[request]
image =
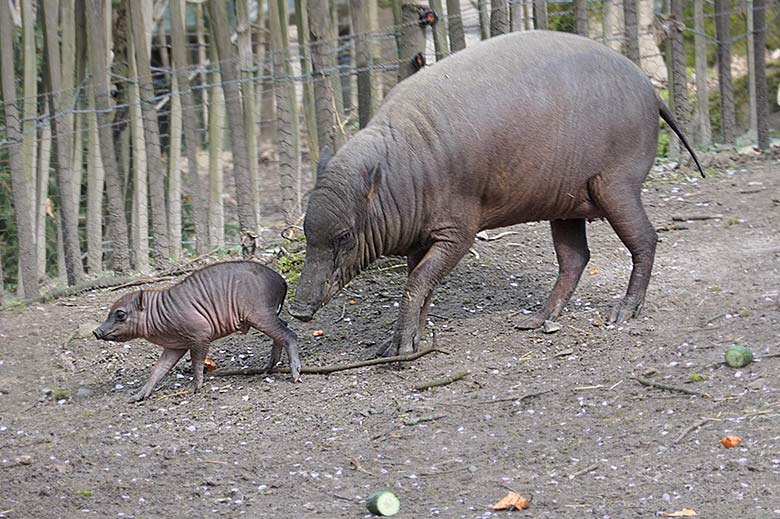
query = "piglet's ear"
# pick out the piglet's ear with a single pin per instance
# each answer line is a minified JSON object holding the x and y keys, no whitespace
{"x":140,"y":299}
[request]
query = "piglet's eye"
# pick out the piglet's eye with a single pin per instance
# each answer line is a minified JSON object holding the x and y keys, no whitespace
{"x":120,"y":315}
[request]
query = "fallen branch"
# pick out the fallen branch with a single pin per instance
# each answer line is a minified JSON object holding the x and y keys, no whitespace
{"x":584,"y":471}
{"x":440,"y":381}
{"x":182,"y":268}
{"x":422,"y":419}
{"x":325,"y":370}
{"x":690,"y":429}
{"x":671,"y":227}
{"x":485,"y":237}
{"x":666,"y":387}
{"x":170,"y":395}
{"x":343,"y":313}
{"x":141,"y":281}
{"x":516,"y":399}
{"x":696,"y":217}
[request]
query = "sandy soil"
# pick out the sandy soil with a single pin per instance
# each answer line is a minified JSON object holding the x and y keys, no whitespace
{"x":560,"y":418}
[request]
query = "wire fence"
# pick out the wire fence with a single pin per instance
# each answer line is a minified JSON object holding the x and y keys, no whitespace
{"x":259,"y":78}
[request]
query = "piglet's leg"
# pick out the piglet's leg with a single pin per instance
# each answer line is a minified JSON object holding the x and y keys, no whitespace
{"x":167,"y":360}
{"x":285,"y":338}
{"x":198,"y":356}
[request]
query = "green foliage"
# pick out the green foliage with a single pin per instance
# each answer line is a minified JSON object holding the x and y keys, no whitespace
{"x":290,"y":265}
{"x":60,"y":394}
{"x":696,"y":377}
{"x":742,"y":98}
{"x":85,"y":493}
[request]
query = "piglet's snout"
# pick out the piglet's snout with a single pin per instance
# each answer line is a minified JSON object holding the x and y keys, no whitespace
{"x":98,"y":333}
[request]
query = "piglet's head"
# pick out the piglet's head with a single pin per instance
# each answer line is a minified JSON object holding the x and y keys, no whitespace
{"x":125,"y":319}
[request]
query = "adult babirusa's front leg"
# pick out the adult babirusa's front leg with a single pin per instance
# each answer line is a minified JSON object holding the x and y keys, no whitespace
{"x":440,"y":259}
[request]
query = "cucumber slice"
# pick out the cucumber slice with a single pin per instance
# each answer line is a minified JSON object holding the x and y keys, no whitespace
{"x":738,"y":357}
{"x":383,"y":503}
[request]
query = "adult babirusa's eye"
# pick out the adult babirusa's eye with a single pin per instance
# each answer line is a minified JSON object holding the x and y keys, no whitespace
{"x":345,"y":240}
{"x":120,"y":315}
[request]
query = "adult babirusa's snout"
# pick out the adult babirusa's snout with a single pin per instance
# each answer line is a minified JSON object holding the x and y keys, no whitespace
{"x":301,"y":312}
{"x":312,"y":290}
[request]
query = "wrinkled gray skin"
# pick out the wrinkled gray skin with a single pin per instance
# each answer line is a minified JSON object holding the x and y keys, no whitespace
{"x":213,"y":302}
{"x":523,"y":127}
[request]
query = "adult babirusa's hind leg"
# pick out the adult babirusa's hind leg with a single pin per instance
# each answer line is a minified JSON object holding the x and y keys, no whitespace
{"x":622,"y":205}
{"x":571,"y":249}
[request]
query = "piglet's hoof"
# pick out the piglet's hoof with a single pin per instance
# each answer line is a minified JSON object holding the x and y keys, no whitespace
{"x":137,"y":397}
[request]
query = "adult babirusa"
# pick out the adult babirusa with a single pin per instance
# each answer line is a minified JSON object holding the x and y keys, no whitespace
{"x":567,"y":134}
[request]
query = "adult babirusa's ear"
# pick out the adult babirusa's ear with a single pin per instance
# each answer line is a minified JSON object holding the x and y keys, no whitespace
{"x":373,"y":180}
{"x":141,"y":299}
{"x":324,"y":159}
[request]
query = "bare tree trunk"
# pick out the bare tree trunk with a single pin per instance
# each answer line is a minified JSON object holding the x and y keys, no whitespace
{"x":540,"y":14}
{"x":528,"y":14}
{"x":703,"y":129}
{"x":42,"y":192}
{"x":439,"y":29}
{"x":679,"y":77}
{"x":323,"y":56}
{"x":309,"y":109}
{"x":139,"y":214}
{"x":202,"y":60}
{"x":154,"y":162}
{"x":411,"y":41}
{"x":265,"y":92}
{"x":722,"y":33}
{"x":455,"y":26}
{"x":751,"y":67}
{"x":499,"y":17}
{"x":95,"y":184}
{"x":650,"y":56}
{"x":23,"y":203}
{"x":245,"y":196}
{"x":287,"y":124}
{"x":216,"y":134}
{"x":190,"y":125}
{"x":365,"y":82}
{"x":70,"y":237}
{"x":484,"y":19}
{"x":30,"y":112}
{"x":117,"y":221}
{"x":71,"y":74}
{"x":581,"y":16}
{"x":613,"y":24}
{"x":2,"y":281}
{"x":762,"y":101}
{"x":631,"y":31}
{"x":174,"y":151}
{"x":516,"y":22}
{"x":246,"y":64}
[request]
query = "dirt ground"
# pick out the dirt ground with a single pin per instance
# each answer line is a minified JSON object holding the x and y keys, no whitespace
{"x":560,"y":418}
